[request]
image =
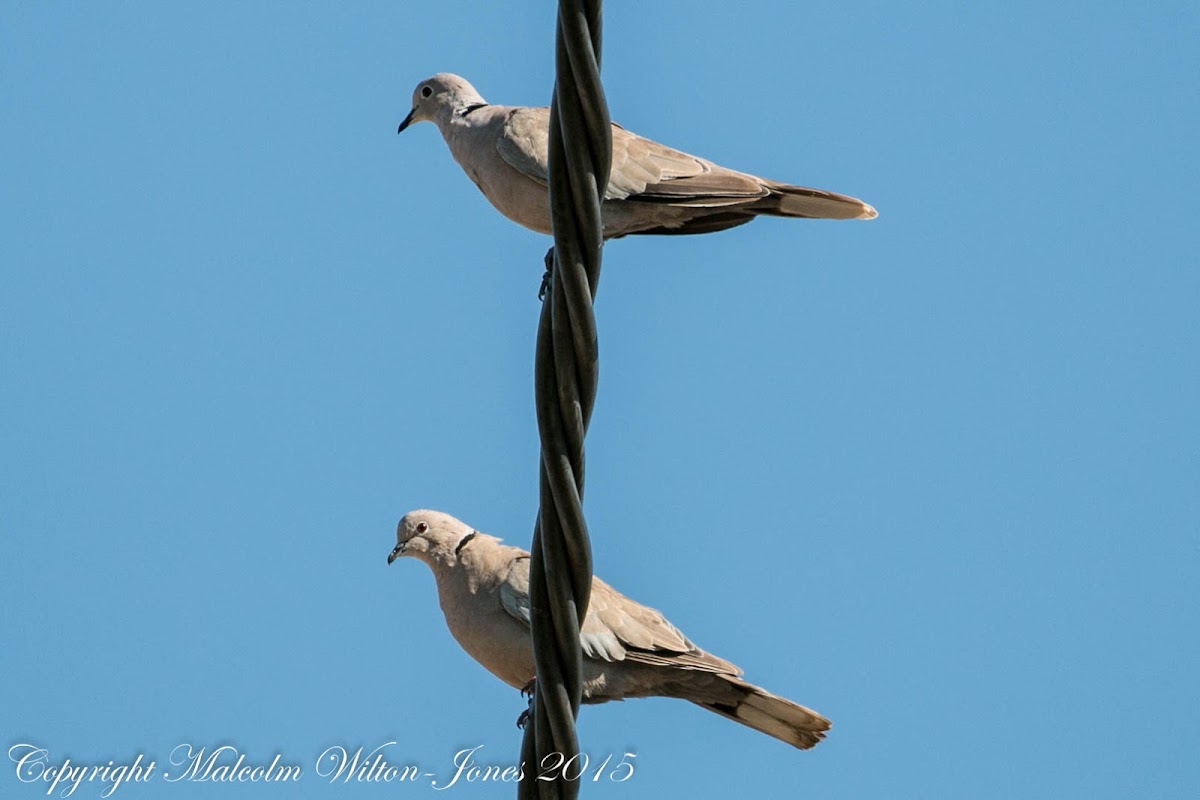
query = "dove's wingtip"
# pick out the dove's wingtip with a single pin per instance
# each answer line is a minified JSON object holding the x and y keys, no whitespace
{"x":868,"y":212}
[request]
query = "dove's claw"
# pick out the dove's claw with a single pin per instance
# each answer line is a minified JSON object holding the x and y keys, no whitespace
{"x":544,"y":289}
{"x":527,"y":691}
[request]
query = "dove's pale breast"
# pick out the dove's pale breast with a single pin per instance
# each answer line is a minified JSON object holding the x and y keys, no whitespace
{"x":472,"y":142}
{"x":479,"y":624}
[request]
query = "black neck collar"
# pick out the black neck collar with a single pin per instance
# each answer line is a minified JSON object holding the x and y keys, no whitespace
{"x":463,"y":543}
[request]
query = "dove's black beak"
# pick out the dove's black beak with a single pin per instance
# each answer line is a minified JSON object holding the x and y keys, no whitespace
{"x":407,"y":121}
{"x":398,"y":550}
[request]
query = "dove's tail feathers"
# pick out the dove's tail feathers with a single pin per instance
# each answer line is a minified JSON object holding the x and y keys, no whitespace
{"x":799,"y":201}
{"x":759,"y":709}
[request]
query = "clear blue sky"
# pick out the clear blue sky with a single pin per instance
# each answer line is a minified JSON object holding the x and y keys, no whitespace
{"x":935,"y":475}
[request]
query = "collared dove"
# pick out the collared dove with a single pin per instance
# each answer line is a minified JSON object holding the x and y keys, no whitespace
{"x":651,"y":188}
{"x":629,"y":650}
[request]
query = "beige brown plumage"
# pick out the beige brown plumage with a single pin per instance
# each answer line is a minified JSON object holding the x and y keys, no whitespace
{"x":652,"y":188}
{"x":630,"y":650}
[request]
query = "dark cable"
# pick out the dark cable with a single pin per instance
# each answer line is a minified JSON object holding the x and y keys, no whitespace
{"x":565,"y":378}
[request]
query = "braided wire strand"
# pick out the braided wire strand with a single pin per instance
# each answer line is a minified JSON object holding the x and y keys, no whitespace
{"x":565,"y":380}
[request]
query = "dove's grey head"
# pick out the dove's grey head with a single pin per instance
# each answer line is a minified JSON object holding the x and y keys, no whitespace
{"x":441,"y":98}
{"x":431,"y":536}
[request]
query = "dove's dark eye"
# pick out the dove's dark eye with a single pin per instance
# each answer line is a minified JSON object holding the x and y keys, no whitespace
{"x":426,"y":91}
{"x":422,"y":527}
